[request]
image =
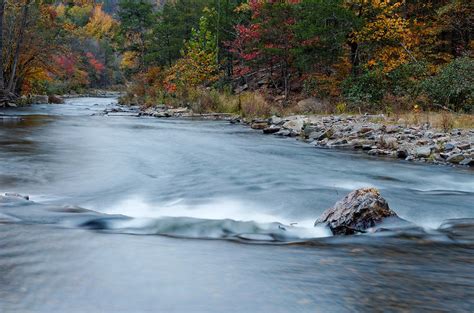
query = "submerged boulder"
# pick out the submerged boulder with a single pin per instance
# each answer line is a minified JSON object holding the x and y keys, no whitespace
{"x":54,"y":99}
{"x":16,"y":195}
{"x":358,"y":211}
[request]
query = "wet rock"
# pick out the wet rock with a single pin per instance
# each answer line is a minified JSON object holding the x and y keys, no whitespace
{"x":467,"y":162}
{"x":283,"y":133}
{"x":16,"y":195}
{"x":423,"y":152}
{"x":356,"y":213}
{"x":271,"y":130}
{"x":161,"y":114}
{"x":295,"y":126}
{"x":54,"y":99}
{"x":455,"y":158}
{"x":464,"y":146}
{"x":259,"y":125}
{"x":402,"y":153}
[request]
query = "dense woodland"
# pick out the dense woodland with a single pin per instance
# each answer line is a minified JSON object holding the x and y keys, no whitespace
{"x":253,"y":57}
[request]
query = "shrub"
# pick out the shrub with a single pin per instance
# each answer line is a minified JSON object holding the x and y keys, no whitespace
{"x":453,"y":86}
{"x":253,"y":104}
{"x":367,"y":88}
{"x":404,"y":81}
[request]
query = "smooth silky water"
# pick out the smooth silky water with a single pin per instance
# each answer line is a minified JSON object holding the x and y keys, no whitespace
{"x":134,"y":214}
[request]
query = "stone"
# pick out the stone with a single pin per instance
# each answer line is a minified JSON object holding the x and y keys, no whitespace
{"x":161,"y":114}
{"x":464,"y":146}
{"x":311,"y":129}
{"x":16,"y":195}
{"x":283,"y":133}
{"x":54,"y":99}
{"x":316,"y":135}
{"x":402,"y":153}
{"x":271,"y":130}
{"x":390,"y":129}
{"x":359,"y":211}
{"x":365,"y":130}
{"x":294,"y":125}
{"x":449,"y":146}
{"x":455,"y":158}
{"x":390,"y":142}
{"x":259,"y":125}
{"x":423,"y":152}
{"x":178,"y":111}
{"x":467,"y":162}
{"x":327,"y":134}
{"x":275,"y":120}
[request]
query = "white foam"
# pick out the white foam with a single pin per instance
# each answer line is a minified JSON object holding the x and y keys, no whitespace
{"x":220,"y":209}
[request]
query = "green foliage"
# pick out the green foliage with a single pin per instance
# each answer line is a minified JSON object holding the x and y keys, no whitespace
{"x":172,"y":26}
{"x":367,"y":53}
{"x":405,"y":80}
{"x":322,"y":27}
{"x":453,"y":86}
{"x":367,"y":88}
{"x":136,"y":19}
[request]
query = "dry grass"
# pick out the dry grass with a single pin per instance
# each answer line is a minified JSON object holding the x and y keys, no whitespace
{"x":253,"y":104}
{"x":440,"y":120}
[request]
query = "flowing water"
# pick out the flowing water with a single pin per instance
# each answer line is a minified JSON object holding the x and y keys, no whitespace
{"x":133,"y":214}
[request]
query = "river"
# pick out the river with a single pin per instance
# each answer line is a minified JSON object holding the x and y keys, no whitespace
{"x":205,"y":216}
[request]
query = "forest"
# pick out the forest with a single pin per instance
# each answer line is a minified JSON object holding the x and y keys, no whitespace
{"x":252,"y":57}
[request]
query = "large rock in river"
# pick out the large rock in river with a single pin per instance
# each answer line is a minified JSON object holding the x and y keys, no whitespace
{"x":357,"y":212}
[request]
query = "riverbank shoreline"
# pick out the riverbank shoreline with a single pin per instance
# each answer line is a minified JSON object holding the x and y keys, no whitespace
{"x":375,"y":135}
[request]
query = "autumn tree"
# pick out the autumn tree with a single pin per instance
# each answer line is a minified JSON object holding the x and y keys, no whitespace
{"x":136,"y":20}
{"x":384,"y":38}
{"x":198,"y":65}
{"x":267,"y":41}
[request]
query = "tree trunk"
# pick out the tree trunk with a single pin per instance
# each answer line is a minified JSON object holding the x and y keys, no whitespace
{"x":354,"y":57}
{"x":2,"y":12}
{"x":24,"y":18}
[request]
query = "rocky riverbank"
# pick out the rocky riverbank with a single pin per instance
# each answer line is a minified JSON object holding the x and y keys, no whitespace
{"x":371,"y":134}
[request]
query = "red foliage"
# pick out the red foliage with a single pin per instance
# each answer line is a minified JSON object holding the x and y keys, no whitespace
{"x":96,"y":65}
{"x":67,"y":63}
{"x":268,"y":37}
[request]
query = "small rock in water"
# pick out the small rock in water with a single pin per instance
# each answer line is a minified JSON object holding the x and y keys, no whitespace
{"x":357,"y":212}
{"x":16,"y":195}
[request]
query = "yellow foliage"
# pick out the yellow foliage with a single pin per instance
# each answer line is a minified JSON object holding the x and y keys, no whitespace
{"x":389,"y":35}
{"x":100,"y":23}
{"x":129,"y":60}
